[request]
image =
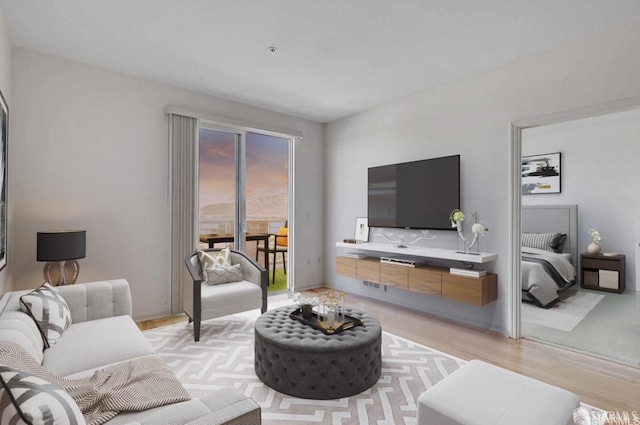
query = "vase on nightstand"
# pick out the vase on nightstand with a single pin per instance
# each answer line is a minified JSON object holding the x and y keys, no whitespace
{"x":594,"y":248}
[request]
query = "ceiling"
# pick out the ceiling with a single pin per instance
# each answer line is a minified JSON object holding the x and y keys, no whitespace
{"x":335,"y":57}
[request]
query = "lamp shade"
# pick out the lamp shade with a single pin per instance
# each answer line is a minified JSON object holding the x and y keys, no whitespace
{"x":61,"y":245}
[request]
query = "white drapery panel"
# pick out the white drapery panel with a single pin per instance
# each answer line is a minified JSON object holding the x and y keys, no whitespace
{"x":183,"y":133}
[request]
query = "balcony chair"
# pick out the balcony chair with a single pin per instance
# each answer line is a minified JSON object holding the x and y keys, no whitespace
{"x":203,"y":302}
{"x":280,"y":245}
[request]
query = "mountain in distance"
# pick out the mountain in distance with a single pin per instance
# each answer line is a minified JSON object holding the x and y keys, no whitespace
{"x":272,"y":207}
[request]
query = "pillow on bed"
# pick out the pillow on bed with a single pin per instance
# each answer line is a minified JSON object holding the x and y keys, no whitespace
{"x":548,"y":241}
{"x":558,"y":242}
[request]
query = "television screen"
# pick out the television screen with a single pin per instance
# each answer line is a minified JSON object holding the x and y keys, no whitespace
{"x":414,"y":195}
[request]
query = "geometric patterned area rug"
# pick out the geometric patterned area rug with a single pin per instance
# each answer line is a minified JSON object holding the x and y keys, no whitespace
{"x":224,"y":358}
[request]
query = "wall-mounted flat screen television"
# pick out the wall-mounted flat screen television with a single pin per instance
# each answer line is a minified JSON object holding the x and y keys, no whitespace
{"x":414,"y":195}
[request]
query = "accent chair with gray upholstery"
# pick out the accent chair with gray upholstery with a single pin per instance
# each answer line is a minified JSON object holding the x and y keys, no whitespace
{"x":203,"y":302}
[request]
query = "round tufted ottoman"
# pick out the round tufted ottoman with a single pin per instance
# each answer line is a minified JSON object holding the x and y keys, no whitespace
{"x":301,"y":361}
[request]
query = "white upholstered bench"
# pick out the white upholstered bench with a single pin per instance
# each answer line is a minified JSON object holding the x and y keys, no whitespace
{"x":482,"y":394}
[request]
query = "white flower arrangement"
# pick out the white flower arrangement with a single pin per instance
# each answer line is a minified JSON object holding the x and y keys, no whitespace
{"x":456,"y":217}
{"x":595,"y":235}
{"x":304,"y":300}
{"x":479,"y":229}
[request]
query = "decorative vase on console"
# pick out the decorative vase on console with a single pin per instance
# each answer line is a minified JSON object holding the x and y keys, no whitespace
{"x":594,"y":246}
{"x":477,"y":229}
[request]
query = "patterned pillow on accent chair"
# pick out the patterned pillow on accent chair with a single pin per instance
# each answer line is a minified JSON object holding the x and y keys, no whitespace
{"x":207,"y":261}
{"x":218,"y":275}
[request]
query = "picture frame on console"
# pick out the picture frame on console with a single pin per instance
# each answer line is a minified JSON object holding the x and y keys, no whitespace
{"x":4,"y":135}
{"x":541,"y":174}
{"x":362,"y":229}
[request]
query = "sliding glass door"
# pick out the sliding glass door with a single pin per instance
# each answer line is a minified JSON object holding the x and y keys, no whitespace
{"x":243,"y":194}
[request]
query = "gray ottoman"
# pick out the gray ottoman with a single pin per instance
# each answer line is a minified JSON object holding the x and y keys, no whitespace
{"x":301,"y":361}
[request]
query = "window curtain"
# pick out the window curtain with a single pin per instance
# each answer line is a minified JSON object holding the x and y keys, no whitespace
{"x":183,"y":133}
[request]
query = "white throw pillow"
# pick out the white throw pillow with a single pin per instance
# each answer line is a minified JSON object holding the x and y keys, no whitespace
{"x":49,"y":310}
{"x":210,"y":260}
{"x":218,"y":275}
{"x":33,"y":400}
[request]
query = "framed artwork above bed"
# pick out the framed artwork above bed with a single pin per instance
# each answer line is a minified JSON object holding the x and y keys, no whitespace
{"x":541,"y":174}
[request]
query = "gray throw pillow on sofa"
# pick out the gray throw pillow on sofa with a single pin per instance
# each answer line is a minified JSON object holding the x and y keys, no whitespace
{"x":49,"y":310}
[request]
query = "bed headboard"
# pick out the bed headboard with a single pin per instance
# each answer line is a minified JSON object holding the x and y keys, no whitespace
{"x":554,"y":219}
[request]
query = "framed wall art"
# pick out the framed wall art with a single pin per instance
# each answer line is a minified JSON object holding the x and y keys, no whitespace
{"x":362,"y":229}
{"x":4,"y":134}
{"x":541,"y":174}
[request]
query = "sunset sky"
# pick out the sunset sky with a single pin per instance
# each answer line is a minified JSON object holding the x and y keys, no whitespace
{"x":267,"y":162}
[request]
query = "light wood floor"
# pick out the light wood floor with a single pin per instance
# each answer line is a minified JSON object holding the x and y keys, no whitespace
{"x":609,"y":386}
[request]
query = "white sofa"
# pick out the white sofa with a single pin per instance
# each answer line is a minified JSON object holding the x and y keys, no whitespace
{"x":103,"y":333}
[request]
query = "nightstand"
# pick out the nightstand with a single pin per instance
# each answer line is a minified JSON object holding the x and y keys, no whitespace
{"x":602,"y":273}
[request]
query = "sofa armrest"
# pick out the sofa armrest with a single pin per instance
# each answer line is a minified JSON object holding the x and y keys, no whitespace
{"x":97,"y":300}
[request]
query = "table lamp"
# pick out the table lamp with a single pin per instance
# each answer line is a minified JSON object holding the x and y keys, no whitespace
{"x":61,"y":249}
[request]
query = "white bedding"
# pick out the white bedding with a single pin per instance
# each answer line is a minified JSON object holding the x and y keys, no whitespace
{"x":537,"y":285}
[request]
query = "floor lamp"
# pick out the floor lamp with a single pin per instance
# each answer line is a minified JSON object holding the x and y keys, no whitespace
{"x":61,"y":249}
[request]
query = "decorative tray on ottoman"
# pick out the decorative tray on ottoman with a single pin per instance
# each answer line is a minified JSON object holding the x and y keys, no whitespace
{"x":314,"y":322}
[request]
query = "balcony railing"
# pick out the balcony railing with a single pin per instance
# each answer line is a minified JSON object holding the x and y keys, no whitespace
{"x":209,"y":225}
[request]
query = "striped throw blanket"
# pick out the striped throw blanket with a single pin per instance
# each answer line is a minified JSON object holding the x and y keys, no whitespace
{"x":136,"y":385}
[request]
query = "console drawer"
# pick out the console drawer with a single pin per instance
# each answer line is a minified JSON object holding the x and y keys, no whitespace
{"x":346,"y":266}
{"x":427,"y":280}
{"x":368,"y":269}
{"x":397,"y":276}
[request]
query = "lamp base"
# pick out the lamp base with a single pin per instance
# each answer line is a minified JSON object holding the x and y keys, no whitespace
{"x":61,"y":272}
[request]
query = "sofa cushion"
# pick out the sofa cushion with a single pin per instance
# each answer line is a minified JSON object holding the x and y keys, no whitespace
{"x":28,"y":399}
{"x":96,"y":343}
{"x":19,"y":327}
{"x":49,"y":310}
{"x":227,"y":405}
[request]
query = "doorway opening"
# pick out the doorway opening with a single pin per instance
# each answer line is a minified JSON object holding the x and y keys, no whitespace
{"x":598,"y":179}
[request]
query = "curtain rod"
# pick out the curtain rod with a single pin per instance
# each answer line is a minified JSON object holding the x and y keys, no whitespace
{"x":225,"y":121}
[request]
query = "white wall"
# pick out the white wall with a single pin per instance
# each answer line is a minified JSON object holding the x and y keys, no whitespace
{"x":5,"y":83}
{"x":469,"y":117}
{"x":599,"y":173}
{"x":90,"y":151}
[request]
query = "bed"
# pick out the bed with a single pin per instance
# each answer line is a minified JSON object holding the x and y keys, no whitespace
{"x":549,"y":259}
